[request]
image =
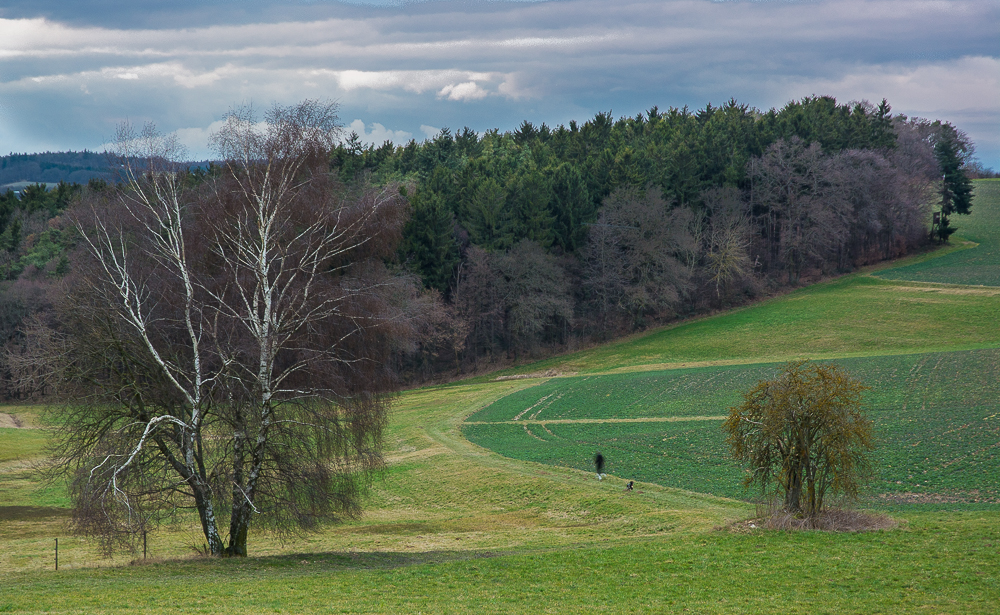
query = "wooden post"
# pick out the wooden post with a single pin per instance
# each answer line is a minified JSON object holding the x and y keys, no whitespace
{"x":143,"y":544}
{"x":57,"y":554}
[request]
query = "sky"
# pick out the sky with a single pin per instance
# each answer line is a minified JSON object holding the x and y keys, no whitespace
{"x":71,"y":72}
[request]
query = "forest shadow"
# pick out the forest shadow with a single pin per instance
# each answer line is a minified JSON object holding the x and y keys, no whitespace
{"x":372,"y":560}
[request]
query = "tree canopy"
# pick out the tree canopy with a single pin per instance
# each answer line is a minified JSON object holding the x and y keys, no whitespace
{"x":803,"y":434}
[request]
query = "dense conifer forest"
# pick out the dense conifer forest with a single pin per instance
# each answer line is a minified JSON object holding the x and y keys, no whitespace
{"x":546,"y":238}
{"x":543,"y":238}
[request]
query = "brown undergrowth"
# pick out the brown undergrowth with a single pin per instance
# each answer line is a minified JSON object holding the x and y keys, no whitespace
{"x":834,"y":519}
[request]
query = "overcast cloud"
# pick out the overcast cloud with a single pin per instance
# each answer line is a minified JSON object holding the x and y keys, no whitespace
{"x":69,"y":72}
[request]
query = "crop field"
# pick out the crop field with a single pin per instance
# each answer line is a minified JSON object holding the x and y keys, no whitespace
{"x":706,"y":391}
{"x":937,"y":421}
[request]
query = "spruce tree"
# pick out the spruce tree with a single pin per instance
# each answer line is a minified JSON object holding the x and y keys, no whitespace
{"x":429,"y":245}
{"x":956,"y":188}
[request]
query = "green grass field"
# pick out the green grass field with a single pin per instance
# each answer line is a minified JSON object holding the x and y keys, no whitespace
{"x":975,"y":266}
{"x":856,"y":315}
{"x":479,"y":512}
{"x":930,"y":565}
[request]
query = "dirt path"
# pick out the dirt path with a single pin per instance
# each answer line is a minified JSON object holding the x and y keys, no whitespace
{"x":9,"y":421}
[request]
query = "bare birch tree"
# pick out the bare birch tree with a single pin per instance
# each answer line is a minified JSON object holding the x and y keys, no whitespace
{"x":226,"y":347}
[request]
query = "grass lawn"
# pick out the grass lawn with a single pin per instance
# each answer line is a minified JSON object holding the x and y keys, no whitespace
{"x":934,"y":563}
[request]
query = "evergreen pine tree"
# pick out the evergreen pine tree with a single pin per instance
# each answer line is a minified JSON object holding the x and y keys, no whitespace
{"x":429,"y":245}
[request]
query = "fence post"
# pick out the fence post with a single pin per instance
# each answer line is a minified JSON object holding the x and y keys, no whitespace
{"x":57,"y":554}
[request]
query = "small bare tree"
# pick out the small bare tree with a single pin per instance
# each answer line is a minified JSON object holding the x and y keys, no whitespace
{"x":728,"y":240}
{"x":804,"y":433}
{"x":226,"y":345}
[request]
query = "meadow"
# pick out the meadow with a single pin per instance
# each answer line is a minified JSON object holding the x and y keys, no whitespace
{"x":489,"y":504}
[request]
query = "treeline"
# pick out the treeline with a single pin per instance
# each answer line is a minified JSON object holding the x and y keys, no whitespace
{"x":35,"y":248}
{"x":543,"y":237}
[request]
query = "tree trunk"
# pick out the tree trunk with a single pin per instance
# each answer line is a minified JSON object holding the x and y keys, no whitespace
{"x":239,"y":526}
{"x":209,"y":524}
{"x":811,"y":508}
{"x":793,"y":495}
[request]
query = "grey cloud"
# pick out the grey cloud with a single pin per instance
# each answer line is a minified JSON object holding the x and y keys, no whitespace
{"x":179,"y":13}
{"x":493,"y":64}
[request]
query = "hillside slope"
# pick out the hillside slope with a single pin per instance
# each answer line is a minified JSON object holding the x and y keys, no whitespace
{"x":455,"y":527}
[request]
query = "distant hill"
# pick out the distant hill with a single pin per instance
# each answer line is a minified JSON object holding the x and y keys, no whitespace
{"x":19,"y":170}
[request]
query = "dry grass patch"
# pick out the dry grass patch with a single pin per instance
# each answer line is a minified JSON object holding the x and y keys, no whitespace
{"x":549,"y":373}
{"x":9,"y":421}
{"x":833,"y":520}
{"x":945,"y":289}
{"x":910,"y":497}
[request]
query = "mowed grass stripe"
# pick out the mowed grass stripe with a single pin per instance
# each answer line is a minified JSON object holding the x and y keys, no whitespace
{"x":647,"y":419}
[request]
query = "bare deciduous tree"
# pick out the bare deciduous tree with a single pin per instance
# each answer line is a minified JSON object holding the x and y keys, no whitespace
{"x":226,"y":346}
{"x":535,"y":294}
{"x":480,"y":302}
{"x":728,"y":240}
{"x":517,"y":298}
{"x":807,"y":216}
{"x":889,"y":218}
{"x":636,"y":252}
